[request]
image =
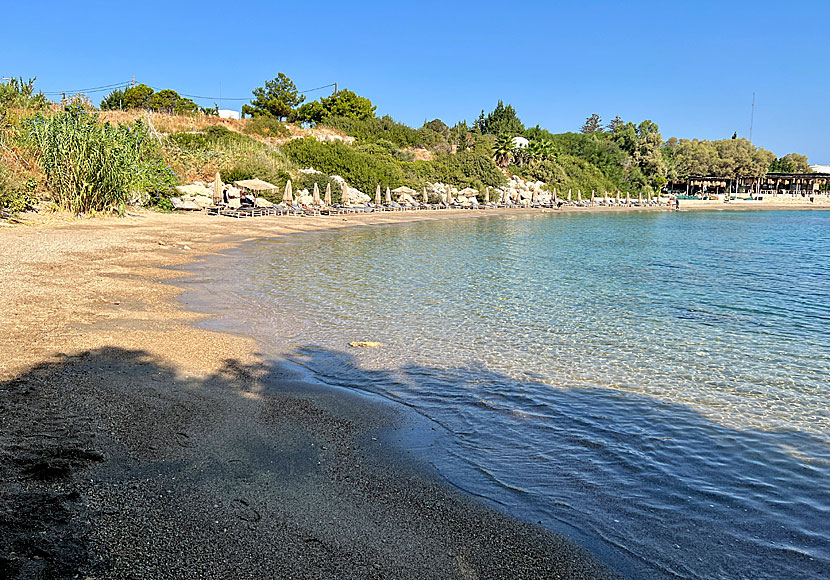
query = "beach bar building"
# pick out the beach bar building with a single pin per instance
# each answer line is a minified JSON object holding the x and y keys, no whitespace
{"x":794,"y":184}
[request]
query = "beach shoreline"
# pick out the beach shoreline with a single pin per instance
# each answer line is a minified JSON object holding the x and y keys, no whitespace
{"x":111,"y":390}
{"x":141,"y":445}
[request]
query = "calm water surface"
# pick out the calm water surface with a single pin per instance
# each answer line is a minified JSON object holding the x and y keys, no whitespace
{"x":654,"y":385}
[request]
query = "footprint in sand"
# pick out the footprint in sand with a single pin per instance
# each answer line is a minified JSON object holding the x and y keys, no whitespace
{"x":242,"y":510}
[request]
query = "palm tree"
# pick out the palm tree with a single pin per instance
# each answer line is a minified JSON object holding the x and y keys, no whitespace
{"x":503,"y":152}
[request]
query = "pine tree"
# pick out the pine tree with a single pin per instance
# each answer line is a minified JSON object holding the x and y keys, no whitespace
{"x":593,"y":124}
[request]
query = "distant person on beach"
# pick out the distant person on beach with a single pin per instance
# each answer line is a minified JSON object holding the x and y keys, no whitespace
{"x":676,"y":203}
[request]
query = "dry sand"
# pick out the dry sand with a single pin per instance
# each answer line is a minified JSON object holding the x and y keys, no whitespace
{"x":136,"y":445}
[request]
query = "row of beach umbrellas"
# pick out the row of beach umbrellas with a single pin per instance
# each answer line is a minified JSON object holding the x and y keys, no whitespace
{"x":288,"y":195}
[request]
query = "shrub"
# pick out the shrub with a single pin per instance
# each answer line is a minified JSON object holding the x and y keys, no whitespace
{"x":211,"y":138}
{"x":465,"y":169}
{"x":16,"y":196}
{"x":21,"y":94}
{"x":307,"y":181}
{"x":567,"y":172}
{"x":258,"y":166}
{"x":265,"y":126}
{"x":360,"y":169}
{"x":90,"y":165}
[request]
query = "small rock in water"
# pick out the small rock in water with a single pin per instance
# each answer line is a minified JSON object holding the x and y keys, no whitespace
{"x":364,"y":344}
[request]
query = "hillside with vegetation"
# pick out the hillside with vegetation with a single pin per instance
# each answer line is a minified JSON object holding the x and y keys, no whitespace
{"x":139,"y":143}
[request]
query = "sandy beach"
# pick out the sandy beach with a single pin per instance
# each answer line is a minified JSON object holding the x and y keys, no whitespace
{"x":137,"y":445}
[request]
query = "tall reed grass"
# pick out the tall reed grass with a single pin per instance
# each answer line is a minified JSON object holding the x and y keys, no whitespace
{"x":90,"y":165}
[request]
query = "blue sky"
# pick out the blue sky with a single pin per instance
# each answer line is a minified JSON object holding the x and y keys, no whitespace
{"x":689,"y":66}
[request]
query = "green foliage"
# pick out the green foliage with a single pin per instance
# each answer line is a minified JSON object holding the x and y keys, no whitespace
{"x":90,"y":165}
{"x":790,"y":163}
{"x":374,"y":129}
{"x":438,"y":126}
{"x":567,"y":172}
{"x":114,"y":100}
{"x":143,"y":97}
{"x":360,"y":169}
{"x":366,"y":166}
{"x":21,"y":94}
{"x":593,"y":124}
{"x":211,"y":138}
{"x":724,"y":158}
{"x":16,"y":196}
{"x":278,"y":98}
{"x":265,"y":126}
{"x":503,"y":150}
{"x":465,"y":169}
{"x":307,"y":181}
{"x":138,"y":97}
{"x":502,"y":120}
{"x":258,"y":166}
{"x":210,"y":111}
{"x":344,"y":104}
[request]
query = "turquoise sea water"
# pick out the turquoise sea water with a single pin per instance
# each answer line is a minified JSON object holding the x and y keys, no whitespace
{"x":654,"y":385}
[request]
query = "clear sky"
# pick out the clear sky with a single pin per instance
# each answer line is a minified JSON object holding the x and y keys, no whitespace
{"x":689,"y":66}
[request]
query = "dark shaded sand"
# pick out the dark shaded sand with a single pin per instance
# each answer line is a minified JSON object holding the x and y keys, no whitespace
{"x":135,"y":445}
{"x":117,"y":467}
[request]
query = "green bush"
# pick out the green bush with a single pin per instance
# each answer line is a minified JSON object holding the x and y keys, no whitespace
{"x":465,"y":169}
{"x":265,"y":126}
{"x":260,"y":165}
{"x":376,"y":129}
{"x":16,"y":196}
{"x":307,"y":181}
{"x":211,"y":138}
{"x":360,"y":169}
{"x":91,"y":165}
{"x":567,"y":172}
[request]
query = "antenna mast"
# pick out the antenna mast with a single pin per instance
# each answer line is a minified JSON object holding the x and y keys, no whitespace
{"x":752,"y":117}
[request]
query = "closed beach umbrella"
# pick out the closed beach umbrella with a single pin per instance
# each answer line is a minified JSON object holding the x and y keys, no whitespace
{"x":327,"y":198}
{"x":578,"y":196}
{"x":606,"y":197}
{"x":315,"y":196}
{"x":534,"y":198}
{"x":487,"y":195}
{"x":449,"y":197}
{"x":592,"y":197}
{"x":627,"y":199}
{"x":649,"y":197}
{"x":618,"y":197}
{"x":569,"y":196}
{"x":426,"y":199}
{"x":217,"y":189}
{"x":640,"y":198}
{"x":388,"y":196}
{"x":344,"y":197}
{"x":288,"y":196}
{"x":377,"y":195}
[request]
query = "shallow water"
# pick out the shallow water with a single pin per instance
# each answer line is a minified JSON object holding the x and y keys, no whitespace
{"x":654,"y":385}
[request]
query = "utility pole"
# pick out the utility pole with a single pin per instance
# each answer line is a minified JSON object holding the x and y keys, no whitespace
{"x":335,"y":89}
{"x":133,"y":81}
{"x":752,"y":117}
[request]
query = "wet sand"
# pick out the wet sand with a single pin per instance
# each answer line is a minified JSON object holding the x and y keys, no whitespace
{"x":136,"y":445}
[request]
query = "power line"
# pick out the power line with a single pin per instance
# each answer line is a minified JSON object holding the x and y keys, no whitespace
{"x":113,"y":86}
{"x":224,"y":98}
{"x":89,"y":89}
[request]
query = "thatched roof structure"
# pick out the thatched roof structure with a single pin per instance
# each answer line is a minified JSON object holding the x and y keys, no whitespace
{"x":404,"y":189}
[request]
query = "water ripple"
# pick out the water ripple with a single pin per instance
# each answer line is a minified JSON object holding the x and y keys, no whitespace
{"x":653,"y":383}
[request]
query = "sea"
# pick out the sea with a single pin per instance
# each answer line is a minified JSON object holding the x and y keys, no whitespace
{"x":653,"y":385}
